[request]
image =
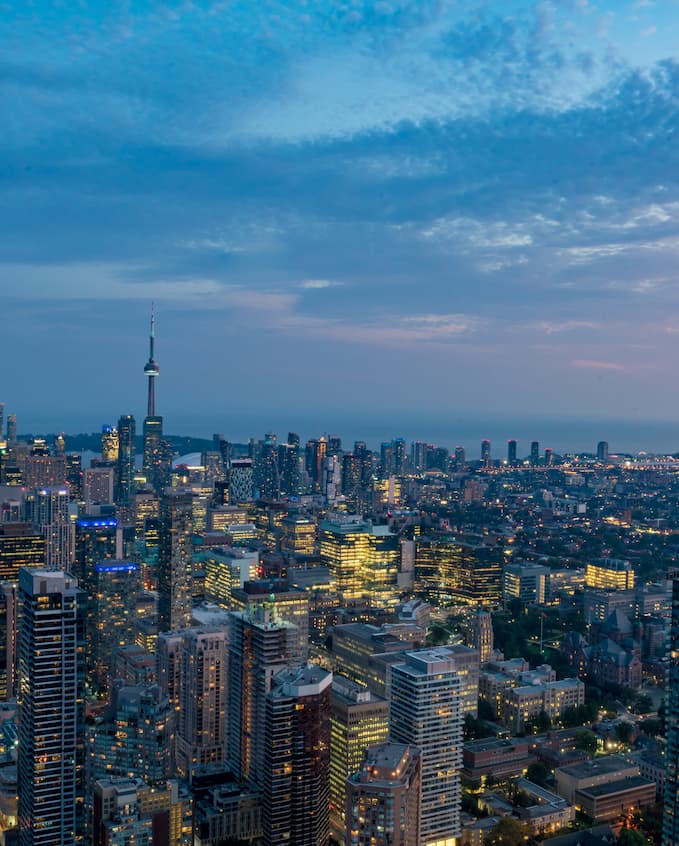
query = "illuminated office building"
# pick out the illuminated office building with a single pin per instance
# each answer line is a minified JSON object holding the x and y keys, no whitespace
{"x":127,"y":449}
{"x":345,"y":549}
{"x":453,"y":572}
{"x":175,"y":563}
{"x":50,"y":712}
{"x":295,"y":790}
{"x":358,"y":719}
{"x":298,"y":535}
{"x":20,"y":546}
{"x":109,"y":443}
{"x":383,"y":798}
{"x":316,"y":451}
{"x":241,"y":482}
{"x":425,"y":711}
{"x":610,"y":574}
{"x":227,"y":570}
{"x":96,"y":539}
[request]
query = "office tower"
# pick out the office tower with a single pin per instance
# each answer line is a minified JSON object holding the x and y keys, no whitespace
{"x":60,"y":444}
{"x":175,"y":564}
{"x":96,"y":539}
{"x":418,"y":455}
{"x":345,"y":549}
{"x":602,"y":451}
{"x":2,"y":420}
{"x":112,"y":590}
{"x":365,"y":459}
{"x":380,"y":577}
{"x":480,"y":634}
{"x":241,"y":482}
{"x":11,"y":430}
{"x":548,"y":457}
{"x":74,"y":475}
{"x":511,"y":452}
{"x":298,"y":535}
{"x":383,"y":798}
{"x":387,"y":458}
{"x":135,"y":736}
{"x":288,"y":462}
{"x":485,"y":452}
{"x":266,"y":469}
{"x":460,"y":457}
{"x":670,"y":829}
{"x":295,"y":792}
{"x":48,"y":510}
{"x":109,"y":443}
{"x":316,"y":450}
{"x":20,"y":546}
{"x":201,"y":733}
{"x":9,"y":636}
{"x":127,"y":450}
{"x":259,"y":646}
{"x":358,"y":719}
{"x":51,"y":700}
{"x":610,"y":574}
{"x":351,"y":474}
{"x":451,"y":571}
{"x":535,"y":453}
{"x":425,"y":712}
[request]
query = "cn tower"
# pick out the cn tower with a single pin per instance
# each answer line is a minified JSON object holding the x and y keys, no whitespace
{"x":151,"y":368}
{"x":156,"y":460}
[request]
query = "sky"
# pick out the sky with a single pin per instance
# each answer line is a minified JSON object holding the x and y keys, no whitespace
{"x":352,"y":210}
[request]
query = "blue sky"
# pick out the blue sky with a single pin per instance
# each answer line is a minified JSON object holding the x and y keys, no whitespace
{"x":340,"y":208}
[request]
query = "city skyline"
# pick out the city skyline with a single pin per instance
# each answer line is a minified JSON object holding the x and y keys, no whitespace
{"x":477,"y":202}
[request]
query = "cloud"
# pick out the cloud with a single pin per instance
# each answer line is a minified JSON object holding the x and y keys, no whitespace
{"x":318,"y":284}
{"x":590,"y":364}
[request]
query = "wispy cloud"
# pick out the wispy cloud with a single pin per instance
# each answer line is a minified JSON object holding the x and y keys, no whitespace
{"x":591,"y":364}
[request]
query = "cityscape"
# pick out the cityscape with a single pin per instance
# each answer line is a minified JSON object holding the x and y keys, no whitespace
{"x":277,"y":642}
{"x":339,"y":423}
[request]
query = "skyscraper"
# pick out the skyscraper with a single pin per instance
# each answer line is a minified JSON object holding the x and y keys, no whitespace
{"x":295,"y":792}
{"x":175,"y":538}
{"x":383,"y":798}
{"x":480,"y":634}
{"x":511,"y":452}
{"x":109,"y":443}
{"x":201,"y":734}
{"x":127,"y":433}
{"x":425,"y":712}
{"x":11,"y":430}
{"x":48,"y":510}
{"x":50,"y":695}
{"x":535,"y":453}
{"x":485,"y":452}
{"x":602,"y":451}
{"x":358,"y":719}
{"x":259,"y":647}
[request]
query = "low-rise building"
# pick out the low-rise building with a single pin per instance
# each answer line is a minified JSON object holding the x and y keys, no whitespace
{"x":608,"y":801}
{"x":591,"y":773}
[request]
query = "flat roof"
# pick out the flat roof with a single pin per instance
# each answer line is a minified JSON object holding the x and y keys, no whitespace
{"x":619,"y":786}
